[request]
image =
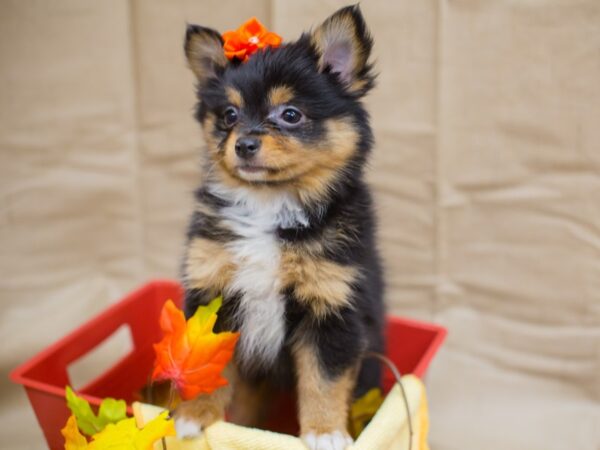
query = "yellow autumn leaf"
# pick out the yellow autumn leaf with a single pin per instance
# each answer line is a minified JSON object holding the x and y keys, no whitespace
{"x":126,"y":435}
{"x":363,"y":409}
{"x":123,"y":435}
{"x":74,"y":440}
{"x":203,"y":321}
{"x":156,"y":429}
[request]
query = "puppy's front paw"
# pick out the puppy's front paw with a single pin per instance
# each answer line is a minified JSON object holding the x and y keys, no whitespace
{"x":336,"y":440}
{"x":193,"y":416}
{"x":187,"y":428}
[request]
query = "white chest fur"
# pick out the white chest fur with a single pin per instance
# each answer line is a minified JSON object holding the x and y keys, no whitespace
{"x":257,"y":256}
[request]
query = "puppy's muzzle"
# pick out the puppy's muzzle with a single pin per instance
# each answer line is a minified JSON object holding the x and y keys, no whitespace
{"x":247,"y":147}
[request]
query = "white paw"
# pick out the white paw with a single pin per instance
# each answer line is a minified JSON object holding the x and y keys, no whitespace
{"x":338,"y":440}
{"x":187,"y":429}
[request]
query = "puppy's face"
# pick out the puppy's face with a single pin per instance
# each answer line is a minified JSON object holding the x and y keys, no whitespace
{"x":288,"y":116}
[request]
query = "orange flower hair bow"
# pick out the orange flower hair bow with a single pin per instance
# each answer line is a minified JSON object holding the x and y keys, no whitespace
{"x":247,"y":39}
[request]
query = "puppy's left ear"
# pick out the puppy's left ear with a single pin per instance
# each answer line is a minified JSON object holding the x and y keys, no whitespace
{"x":343,"y":44}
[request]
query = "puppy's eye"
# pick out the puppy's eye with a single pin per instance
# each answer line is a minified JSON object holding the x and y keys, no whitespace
{"x":230,"y":116}
{"x":291,"y":115}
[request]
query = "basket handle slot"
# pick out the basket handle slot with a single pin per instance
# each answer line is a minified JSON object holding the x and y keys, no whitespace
{"x":102,"y":357}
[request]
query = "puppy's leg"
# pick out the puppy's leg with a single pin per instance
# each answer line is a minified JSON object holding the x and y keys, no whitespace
{"x":193,"y":415}
{"x":249,"y":406}
{"x":323,"y":401}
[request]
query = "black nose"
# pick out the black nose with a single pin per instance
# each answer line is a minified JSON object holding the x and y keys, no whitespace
{"x":247,"y":147}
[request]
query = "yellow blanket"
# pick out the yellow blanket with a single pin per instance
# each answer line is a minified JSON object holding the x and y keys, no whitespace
{"x":387,"y":430}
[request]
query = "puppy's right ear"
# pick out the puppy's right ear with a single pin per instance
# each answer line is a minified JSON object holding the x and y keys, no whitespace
{"x":204,"y":52}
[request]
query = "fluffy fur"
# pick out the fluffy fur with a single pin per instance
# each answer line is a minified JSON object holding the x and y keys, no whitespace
{"x":284,"y":226}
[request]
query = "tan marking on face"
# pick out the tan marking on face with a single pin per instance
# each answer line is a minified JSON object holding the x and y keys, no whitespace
{"x":323,"y":403}
{"x":231,"y":162}
{"x":340,"y":147}
{"x":208,"y":127}
{"x":230,"y":159}
{"x":322,"y":285}
{"x":296,"y":160}
{"x":208,"y":265}
{"x":308,"y":170}
{"x":280,"y":95}
{"x":234,"y":96}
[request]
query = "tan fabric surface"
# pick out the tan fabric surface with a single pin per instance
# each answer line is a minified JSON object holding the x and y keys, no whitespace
{"x":486,"y":173}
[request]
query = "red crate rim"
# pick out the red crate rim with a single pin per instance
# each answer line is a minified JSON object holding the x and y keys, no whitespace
{"x":18,"y":376}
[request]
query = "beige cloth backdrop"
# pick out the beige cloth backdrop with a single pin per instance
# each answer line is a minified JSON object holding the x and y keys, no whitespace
{"x":486,"y":173}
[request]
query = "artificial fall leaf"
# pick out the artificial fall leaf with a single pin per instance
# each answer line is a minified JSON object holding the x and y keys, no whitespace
{"x":363,"y":409}
{"x":123,"y":435}
{"x":74,"y":440}
{"x":190,"y":354}
{"x":247,"y":39}
{"x":126,"y":435}
{"x":110,"y":411}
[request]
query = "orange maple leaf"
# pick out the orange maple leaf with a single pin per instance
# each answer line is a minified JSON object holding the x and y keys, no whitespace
{"x":190,"y":354}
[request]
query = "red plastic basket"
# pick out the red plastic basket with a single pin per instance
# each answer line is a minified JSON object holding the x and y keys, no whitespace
{"x":411,"y":345}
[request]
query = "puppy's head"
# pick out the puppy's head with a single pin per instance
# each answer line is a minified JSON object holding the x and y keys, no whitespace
{"x":289,"y":116}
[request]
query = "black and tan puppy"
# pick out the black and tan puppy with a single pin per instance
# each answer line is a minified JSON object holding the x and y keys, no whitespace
{"x":283,"y":226}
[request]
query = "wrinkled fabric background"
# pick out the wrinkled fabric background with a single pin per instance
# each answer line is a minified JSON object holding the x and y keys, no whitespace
{"x":486,"y":174}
